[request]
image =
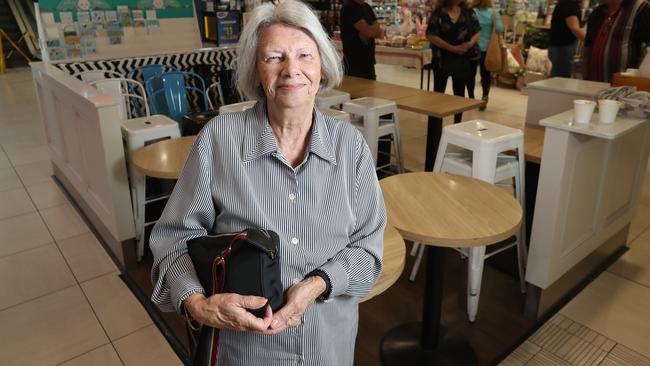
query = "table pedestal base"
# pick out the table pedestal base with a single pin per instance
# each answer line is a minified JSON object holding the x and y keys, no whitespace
{"x":401,"y":346}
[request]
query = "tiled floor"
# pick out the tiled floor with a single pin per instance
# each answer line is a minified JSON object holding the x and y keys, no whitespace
{"x":62,"y":302}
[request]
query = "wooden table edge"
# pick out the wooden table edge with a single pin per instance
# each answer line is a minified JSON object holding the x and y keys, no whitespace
{"x":461,"y":243}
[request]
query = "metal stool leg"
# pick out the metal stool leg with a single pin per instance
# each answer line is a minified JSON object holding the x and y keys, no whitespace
{"x":416,"y":265}
{"x":474,"y":275}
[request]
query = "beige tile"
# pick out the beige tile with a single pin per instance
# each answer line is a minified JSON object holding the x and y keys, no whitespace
{"x":15,"y":202}
{"x":22,"y":142}
{"x":521,"y":355}
{"x":616,"y":308}
{"x":29,"y":155}
{"x":4,"y":161}
{"x":46,"y":195}
{"x":623,"y":356}
{"x":116,"y":307}
{"x":86,"y":257}
{"x":23,"y":232}
{"x":49,"y":330}
{"x":9,"y":179}
{"x":63,"y":221}
{"x":33,"y":273}
{"x":640,"y":222}
{"x":146,"y":347}
{"x":35,"y":173}
{"x":635,"y":263}
{"x":645,"y":234}
{"x":545,"y":358}
{"x":102,"y":356}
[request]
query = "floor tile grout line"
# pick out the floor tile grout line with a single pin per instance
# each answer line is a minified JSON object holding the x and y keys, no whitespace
{"x":116,"y":271}
{"x":87,"y":352}
{"x":137,"y":330}
{"x":90,"y":304}
{"x":3,"y":256}
{"x":630,"y":280}
{"x":71,"y":271}
{"x":39,"y":296}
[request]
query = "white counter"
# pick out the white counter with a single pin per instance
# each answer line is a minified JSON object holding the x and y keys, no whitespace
{"x":589,"y":184}
{"x":551,"y":96}
{"x":83,"y":133}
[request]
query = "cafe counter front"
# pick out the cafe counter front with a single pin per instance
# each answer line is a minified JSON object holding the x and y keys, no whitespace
{"x":589,"y":184}
{"x":83,"y":132}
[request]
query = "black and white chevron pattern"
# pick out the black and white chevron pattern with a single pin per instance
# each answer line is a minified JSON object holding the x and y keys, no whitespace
{"x":218,"y":59}
{"x":205,"y":63}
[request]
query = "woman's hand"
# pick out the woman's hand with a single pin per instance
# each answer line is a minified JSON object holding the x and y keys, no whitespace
{"x":228,"y":311}
{"x":298,"y":298}
{"x":459,"y":50}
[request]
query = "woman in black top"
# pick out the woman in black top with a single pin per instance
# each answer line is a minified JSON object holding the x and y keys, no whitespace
{"x":454,"y":30}
{"x":565,"y":29}
{"x":359,"y":28}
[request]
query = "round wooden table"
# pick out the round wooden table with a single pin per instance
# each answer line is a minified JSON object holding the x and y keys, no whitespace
{"x":163,"y":159}
{"x":442,"y":210}
{"x":394,"y":258}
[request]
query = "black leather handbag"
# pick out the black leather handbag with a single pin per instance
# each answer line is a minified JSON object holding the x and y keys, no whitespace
{"x":245,"y":263}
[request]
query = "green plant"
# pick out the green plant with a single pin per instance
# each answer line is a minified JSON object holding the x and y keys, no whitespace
{"x":536,"y":37}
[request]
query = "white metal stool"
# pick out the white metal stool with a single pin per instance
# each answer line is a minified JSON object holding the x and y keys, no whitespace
{"x":486,"y":142}
{"x":331,"y":98}
{"x":137,"y":133}
{"x":335,"y":113}
{"x":374,"y":127}
{"x":237,"y":107}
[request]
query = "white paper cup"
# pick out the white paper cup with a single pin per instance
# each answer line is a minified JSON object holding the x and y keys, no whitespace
{"x":607,"y":110}
{"x":582,"y":110}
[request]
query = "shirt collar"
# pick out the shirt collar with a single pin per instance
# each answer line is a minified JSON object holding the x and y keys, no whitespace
{"x":259,"y":139}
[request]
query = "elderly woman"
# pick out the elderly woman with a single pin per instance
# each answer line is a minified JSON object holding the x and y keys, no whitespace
{"x":283,"y":166}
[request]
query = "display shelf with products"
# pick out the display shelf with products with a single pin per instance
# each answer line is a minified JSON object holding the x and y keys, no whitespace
{"x":387,"y":12}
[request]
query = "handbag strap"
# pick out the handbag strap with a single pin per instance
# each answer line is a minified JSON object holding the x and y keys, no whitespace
{"x":494,"y":21}
{"x":220,"y":261}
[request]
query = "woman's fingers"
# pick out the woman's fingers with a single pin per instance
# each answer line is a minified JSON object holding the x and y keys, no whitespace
{"x":229,"y":311}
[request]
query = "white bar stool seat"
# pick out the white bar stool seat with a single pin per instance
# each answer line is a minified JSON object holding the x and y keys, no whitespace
{"x":331,"y":98}
{"x":237,"y":107}
{"x":335,"y":113}
{"x":374,"y":127}
{"x":486,"y":142}
{"x":137,"y":133}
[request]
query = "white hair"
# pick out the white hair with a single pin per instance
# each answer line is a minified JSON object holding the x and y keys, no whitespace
{"x":292,"y":13}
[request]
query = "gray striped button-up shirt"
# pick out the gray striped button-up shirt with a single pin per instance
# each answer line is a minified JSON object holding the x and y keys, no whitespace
{"x":328,"y":212}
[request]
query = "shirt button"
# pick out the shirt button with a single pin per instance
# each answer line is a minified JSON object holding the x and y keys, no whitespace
{"x":298,"y":358}
{"x":292,"y":196}
{"x":294,"y":241}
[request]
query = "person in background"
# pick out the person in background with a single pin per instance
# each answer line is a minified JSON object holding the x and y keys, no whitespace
{"x":617,"y":33}
{"x":565,"y":33}
{"x":485,"y":14}
{"x":454,"y":30}
{"x":359,"y":28}
{"x":283,"y":166}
